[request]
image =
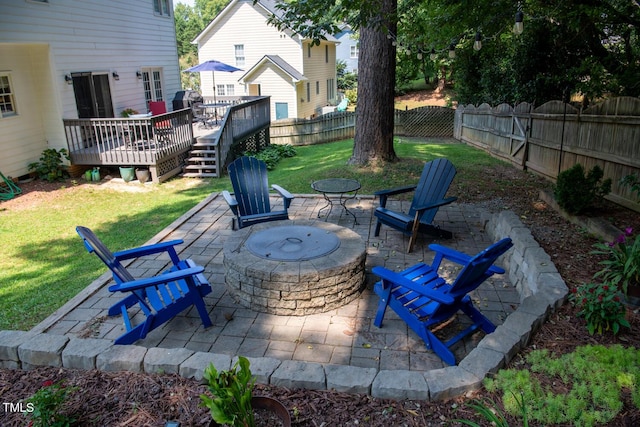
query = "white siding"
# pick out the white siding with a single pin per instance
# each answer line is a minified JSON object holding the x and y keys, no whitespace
{"x":242,"y":23}
{"x":280,"y":87}
{"x":320,"y":67}
{"x":66,"y":36}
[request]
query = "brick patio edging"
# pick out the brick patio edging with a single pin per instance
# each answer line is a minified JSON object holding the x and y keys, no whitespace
{"x":530,"y":269}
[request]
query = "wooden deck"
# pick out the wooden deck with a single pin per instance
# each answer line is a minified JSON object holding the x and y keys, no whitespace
{"x":160,"y":143}
{"x":165,"y":143}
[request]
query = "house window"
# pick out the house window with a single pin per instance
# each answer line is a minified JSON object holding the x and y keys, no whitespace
{"x":161,"y":7}
{"x":7,"y":101}
{"x":220,"y":90}
{"x":152,"y":83}
{"x":354,"y":51}
{"x":326,"y":53}
{"x":230,"y":90}
{"x":331,"y":90}
{"x":317,"y":87}
{"x":239,"y":49}
{"x":308,"y":92}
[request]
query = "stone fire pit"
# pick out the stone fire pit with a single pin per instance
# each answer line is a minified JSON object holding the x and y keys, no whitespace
{"x":294,"y":267}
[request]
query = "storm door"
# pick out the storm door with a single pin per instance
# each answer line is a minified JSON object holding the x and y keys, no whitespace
{"x":93,"y":95}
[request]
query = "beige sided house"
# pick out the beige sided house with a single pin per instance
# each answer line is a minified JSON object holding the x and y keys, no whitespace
{"x":299,"y":78}
{"x":70,"y":59}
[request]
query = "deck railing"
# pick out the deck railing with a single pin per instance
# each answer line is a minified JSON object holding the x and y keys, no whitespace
{"x":248,"y":120}
{"x":128,"y":141}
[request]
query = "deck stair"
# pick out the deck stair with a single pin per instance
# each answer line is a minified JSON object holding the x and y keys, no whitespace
{"x":203,"y":159}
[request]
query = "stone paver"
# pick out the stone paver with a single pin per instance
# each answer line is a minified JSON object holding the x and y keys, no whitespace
{"x":340,"y":349}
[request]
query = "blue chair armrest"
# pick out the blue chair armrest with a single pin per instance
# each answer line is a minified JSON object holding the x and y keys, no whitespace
{"x":285,"y":195}
{"x":231,"y":201}
{"x":383,"y":194}
{"x":437,"y":204}
{"x":157,"y":280}
{"x":398,"y":190}
{"x":398,"y":279}
{"x":457,"y":257}
{"x":147,"y":250}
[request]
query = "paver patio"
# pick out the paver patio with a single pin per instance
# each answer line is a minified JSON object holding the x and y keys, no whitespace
{"x":344,"y":336}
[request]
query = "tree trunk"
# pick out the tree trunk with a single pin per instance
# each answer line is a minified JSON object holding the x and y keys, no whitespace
{"x":373,"y":140}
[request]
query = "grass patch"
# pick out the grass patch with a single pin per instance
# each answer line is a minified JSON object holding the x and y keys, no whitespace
{"x":44,"y":263}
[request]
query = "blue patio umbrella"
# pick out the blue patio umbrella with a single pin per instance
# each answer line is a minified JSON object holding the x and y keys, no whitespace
{"x":213,"y":66}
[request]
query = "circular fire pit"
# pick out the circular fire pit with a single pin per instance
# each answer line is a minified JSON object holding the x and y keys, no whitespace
{"x":294,"y":267}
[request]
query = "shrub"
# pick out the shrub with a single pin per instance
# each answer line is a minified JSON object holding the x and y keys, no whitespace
{"x":575,"y":191}
{"x":601,"y":306}
{"x":47,"y":403}
{"x":272,"y":154}
{"x":50,"y":166}
{"x":632,"y":181}
{"x":352,"y":96}
{"x":622,"y":267}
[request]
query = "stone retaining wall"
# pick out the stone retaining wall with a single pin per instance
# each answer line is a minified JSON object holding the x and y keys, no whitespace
{"x":541,"y":288}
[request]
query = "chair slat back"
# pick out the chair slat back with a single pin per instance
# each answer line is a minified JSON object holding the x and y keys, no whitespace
{"x":95,"y":245}
{"x":476,"y":270}
{"x":434,"y":183}
{"x":250,"y":185}
{"x":157,"y":107}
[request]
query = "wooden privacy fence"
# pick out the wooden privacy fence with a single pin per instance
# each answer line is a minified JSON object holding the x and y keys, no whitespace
{"x":555,"y":136}
{"x":420,"y":122}
{"x":325,"y":128}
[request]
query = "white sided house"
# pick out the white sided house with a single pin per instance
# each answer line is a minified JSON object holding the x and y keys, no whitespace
{"x":72,"y":59}
{"x":299,"y":78}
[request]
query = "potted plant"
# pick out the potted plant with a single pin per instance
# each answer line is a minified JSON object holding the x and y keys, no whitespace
{"x":622,"y":266}
{"x":128,"y":112}
{"x":232,"y":402}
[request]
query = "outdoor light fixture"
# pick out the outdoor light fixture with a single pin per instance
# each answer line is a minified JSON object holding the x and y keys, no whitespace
{"x":419,"y":55}
{"x":115,"y":75}
{"x":518,"y":27}
{"x":433,"y":55}
{"x":452,"y":51}
{"x":139,"y":74}
{"x":68,"y":79}
{"x":477,"y":45}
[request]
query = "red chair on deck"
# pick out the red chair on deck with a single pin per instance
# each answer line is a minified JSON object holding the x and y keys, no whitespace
{"x":161,"y":128}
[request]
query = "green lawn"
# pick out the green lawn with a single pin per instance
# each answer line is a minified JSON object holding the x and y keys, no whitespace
{"x":44,"y":263}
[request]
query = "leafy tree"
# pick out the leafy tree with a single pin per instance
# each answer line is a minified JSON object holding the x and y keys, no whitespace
{"x":188,"y":25}
{"x":591,"y":48}
{"x":374,"y":19}
{"x":346,"y":79}
{"x":190,"y":22}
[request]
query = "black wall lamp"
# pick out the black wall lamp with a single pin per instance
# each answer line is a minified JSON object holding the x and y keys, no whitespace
{"x":139,"y":74}
{"x":115,"y":75}
{"x":68,"y":79}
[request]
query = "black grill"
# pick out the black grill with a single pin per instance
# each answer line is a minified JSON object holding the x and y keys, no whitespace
{"x":185,"y":99}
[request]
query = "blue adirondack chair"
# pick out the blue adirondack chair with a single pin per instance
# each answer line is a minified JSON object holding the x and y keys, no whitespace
{"x":428,"y":197}
{"x":250,"y":201}
{"x":160,"y":298}
{"x":422,"y":298}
